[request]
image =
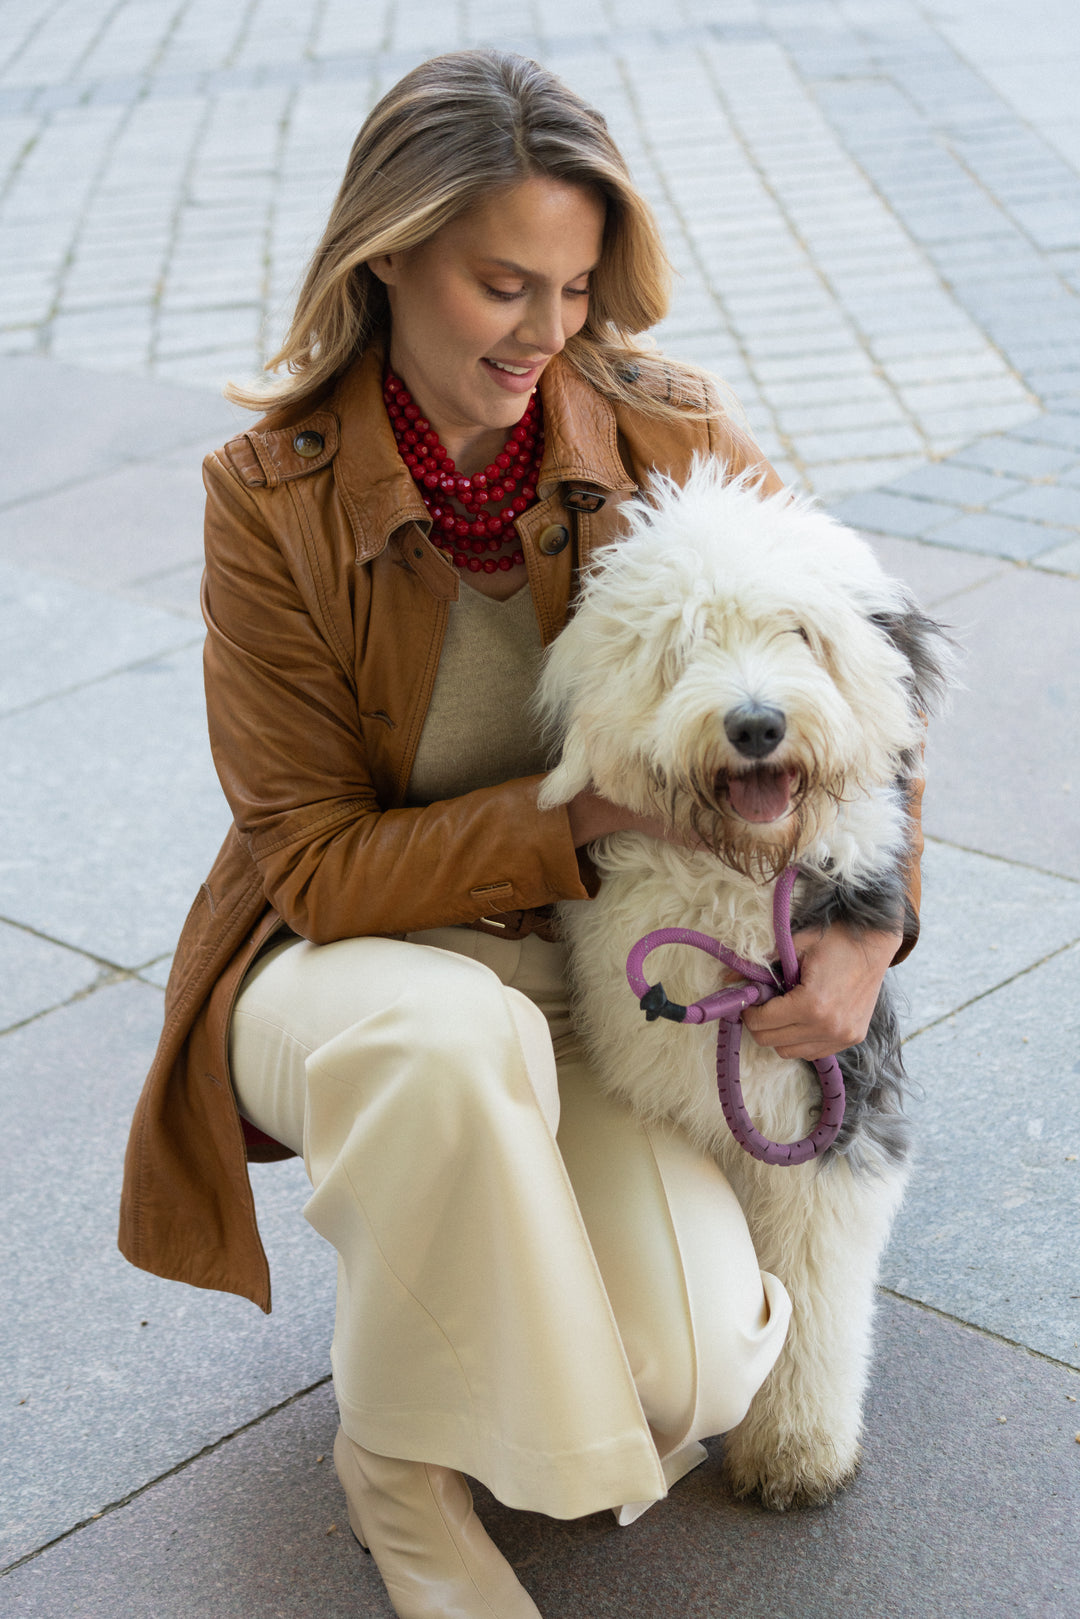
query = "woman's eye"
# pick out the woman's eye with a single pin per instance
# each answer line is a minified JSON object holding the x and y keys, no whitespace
{"x":503,"y":296}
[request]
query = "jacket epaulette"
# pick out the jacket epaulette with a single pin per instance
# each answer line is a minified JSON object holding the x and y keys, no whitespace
{"x":262,"y":460}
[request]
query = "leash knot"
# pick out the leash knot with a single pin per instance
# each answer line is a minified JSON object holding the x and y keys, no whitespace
{"x":726,"y":1008}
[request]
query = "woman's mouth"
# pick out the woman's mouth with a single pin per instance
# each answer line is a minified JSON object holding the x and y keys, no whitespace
{"x":516,"y":379}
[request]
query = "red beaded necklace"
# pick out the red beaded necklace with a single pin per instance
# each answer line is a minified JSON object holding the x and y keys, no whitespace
{"x":471,"y":538}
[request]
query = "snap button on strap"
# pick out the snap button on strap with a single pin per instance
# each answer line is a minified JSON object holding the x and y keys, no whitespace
{"x":308,"y":445}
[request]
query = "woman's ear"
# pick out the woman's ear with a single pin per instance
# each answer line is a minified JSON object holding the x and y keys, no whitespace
{"x":385,"y":267}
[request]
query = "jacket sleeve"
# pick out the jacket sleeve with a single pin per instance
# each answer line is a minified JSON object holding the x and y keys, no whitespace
{"x":288,"y":740}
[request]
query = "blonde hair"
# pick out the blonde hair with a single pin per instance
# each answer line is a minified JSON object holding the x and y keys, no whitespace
{"x":447,"y":134}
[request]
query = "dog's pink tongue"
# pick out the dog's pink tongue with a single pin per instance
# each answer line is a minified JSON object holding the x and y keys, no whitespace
{"x":762,"y":794}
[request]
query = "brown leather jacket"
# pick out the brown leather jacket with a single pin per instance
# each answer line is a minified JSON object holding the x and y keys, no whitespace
{"x":326,"y":607}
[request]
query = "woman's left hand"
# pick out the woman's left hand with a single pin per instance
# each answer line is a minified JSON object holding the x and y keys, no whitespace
{"x":841,"y":974}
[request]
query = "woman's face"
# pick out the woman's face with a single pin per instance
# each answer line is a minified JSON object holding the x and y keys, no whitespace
{"x":478,"y":310}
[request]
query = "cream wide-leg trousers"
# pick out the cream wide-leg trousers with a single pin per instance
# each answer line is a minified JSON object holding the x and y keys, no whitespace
{"x":534,"y":1287}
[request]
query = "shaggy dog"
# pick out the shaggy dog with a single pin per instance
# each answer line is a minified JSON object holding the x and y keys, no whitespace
{"x":743,"y":668}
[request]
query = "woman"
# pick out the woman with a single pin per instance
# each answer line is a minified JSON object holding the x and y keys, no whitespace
{"x":369,"y":971}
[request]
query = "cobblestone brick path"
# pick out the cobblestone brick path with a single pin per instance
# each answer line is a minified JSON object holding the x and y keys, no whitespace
{"x":875,"y":251}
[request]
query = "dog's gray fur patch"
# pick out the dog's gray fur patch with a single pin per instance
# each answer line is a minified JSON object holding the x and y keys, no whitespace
{"x":873,"y":1071}
{"x":927,"y":646}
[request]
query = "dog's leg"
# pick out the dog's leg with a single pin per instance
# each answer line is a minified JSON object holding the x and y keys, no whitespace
{"x":821,"y":1229}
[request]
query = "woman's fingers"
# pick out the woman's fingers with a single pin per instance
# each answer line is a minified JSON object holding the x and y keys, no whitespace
{"x":841,"y":976}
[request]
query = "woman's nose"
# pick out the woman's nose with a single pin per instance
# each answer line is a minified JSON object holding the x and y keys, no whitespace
{"x":542,"y":326}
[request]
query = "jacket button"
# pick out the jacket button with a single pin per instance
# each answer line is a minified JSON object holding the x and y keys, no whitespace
{"x":553,"y":539}
{"x":308,"y":445}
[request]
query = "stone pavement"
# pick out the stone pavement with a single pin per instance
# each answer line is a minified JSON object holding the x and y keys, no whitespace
{"x":874,"y":208}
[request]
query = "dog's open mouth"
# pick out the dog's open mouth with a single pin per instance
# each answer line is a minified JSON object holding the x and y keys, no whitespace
{"x":761,"y":794}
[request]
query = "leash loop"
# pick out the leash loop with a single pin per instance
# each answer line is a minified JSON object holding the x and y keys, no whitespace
{"x":726,"y":1007}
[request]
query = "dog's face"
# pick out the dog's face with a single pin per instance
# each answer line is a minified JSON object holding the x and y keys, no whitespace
{"x":734,"y":664}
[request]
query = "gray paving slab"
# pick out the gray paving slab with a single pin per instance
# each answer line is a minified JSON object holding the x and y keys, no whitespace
{"x":1062,"y":559}
{"x":112,"y":811}
{"x":71,"y":423}
{"x":1002,"y":774}
{"x":999,"y":535}
{"x":1045,"y":503}
{"x":1021,"y":457}
{"x":984,"y":920}
{"x":954,"y":1512}
{"x":884,"y":511}
{"x":176,"y":590}
{"x":112,"y":1376}
{"x":117,"y":528}
{"x":58,"y":635}
{"x":935,"y":573}
{"x":36,"y":974}
{"x":956,"y":485}
{"x":988,"y":1230}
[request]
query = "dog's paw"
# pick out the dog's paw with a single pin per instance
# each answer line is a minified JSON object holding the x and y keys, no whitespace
{"x":804,"y":1471}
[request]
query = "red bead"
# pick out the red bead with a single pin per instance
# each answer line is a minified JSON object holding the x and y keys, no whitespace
{"x":529,"y":491}
{"x":474,"y":564}
{"x":430,"y":438}
{"x":489,"y":566}
{"x":519,"y":504}
{"x":446,"y":484}
{"x":412,"y":412}
{"x":481,"y":528}
{"x":496,"y":544}
{"x":505,"y":564}
{"x":422,"y":424}
{"x":503,"y":460}
{"x":408,"y":437}
{"x":497,"y":492}
{"x":480,"y":481}
{"x":431,"y":480}
{"x":448,"y":522}
{"x":409,"y":458}
{"x":459,"y":560}
{"x":461,"y":528}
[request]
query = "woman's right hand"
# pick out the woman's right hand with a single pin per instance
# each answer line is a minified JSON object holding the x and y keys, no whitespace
{"x":593,"y":817}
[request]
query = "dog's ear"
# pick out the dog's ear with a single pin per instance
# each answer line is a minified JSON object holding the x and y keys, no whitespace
{"x":570,"y":776}
{"x":927,"y":648}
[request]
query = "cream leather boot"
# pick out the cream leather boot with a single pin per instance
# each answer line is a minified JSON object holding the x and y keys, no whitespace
{"x":433,"y":1553}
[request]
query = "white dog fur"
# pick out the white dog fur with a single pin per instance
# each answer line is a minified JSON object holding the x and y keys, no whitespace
{"x":720,"y":603}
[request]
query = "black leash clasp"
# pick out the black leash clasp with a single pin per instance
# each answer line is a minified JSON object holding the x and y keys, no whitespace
{"x":654,"y":1003}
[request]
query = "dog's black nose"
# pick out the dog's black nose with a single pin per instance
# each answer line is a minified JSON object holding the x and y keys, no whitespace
{"x":755,"y":729}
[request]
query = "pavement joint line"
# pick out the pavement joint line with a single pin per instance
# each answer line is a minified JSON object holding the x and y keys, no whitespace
{"x":1004,"y":860}
{"x":105,"y":980}
{"x":111,"y":674}
{"x":120,"y":465}
{"x":994,"y":989}
{"x":170,"y":1472}
{"x":983,"y":1332}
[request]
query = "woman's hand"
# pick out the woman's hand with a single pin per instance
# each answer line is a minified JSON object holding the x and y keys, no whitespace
{"x":842,"y":972}
{"x":594,"y":817}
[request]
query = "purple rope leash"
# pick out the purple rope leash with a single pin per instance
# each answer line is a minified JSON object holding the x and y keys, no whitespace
{"x":726,"y":1006}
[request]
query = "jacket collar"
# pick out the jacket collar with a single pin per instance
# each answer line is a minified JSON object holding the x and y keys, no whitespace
{"x":377,"y":489}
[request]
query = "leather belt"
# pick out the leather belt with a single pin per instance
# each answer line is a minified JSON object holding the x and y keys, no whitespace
{"x":541,"y":920}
